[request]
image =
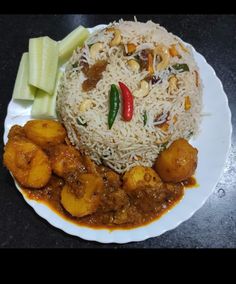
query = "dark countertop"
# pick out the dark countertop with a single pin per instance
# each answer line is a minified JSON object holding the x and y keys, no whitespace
{"x":214,"y":225}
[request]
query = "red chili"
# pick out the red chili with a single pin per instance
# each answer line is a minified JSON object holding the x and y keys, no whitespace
{"x":128,"y":102}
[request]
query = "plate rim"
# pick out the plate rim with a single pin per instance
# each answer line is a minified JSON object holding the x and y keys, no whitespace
{"x":57,"y":221}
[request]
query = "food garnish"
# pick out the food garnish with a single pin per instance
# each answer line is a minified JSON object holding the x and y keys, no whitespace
{"x":128,"y":102}
{"x":114,"y":105}
{"x":181,"y":67}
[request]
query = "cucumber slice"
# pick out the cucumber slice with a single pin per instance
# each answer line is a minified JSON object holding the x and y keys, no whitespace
{"x":44,"y":105}
{"x":43,"y":62}
{"x":71,"y":42}
{"x":22,"y":90}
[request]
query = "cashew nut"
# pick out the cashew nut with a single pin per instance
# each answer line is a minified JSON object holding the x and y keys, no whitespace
{"x":143,"y":91}
{"x":117,"y":36}
{"x":163,"y":52}
{"x":86,"y":105}
{"x":173,"y":84}
{"x":95,"y":48}
{"x":133,"y":64}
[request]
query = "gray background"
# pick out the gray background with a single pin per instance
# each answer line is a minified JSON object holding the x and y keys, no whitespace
{"x":214,"y":225}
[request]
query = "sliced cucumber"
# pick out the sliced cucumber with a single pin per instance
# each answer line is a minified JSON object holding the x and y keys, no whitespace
{"x":22,"y":90}
{"x":44,"y":105}
{"x":71,"y":42}
{"x":43,"y":62}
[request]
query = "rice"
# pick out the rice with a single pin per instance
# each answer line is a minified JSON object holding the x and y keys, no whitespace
{"x":129,"y":144}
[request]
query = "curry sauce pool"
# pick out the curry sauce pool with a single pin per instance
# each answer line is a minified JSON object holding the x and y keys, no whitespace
{"x":117,"y":211}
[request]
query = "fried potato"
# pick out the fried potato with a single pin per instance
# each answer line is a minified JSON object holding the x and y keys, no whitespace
{"x":27,"y":162}
{"x":92,"y":185}
{"x":140,"y":177}
{"x":178,"y":162}
{"x":65,"y":159}
{"x":45,"y":133}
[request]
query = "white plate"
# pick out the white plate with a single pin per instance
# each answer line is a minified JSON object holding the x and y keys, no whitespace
{"x":213,"y":145}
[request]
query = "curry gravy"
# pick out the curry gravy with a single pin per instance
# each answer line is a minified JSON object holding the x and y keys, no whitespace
{"x":119,"y":211}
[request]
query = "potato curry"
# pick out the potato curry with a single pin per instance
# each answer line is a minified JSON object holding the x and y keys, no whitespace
{"x":49,"y":169}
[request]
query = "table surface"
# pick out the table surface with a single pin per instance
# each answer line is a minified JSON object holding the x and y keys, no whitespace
{"x":212,"y":226}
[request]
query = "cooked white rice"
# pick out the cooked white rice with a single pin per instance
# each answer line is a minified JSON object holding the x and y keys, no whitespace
{"x":129,"y":143}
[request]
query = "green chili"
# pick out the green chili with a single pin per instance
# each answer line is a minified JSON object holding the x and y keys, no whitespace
{"x":181,"y":67}
{"x":114,"y":105}
{"x":80,"y":121}
{"x":145,"y":118}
